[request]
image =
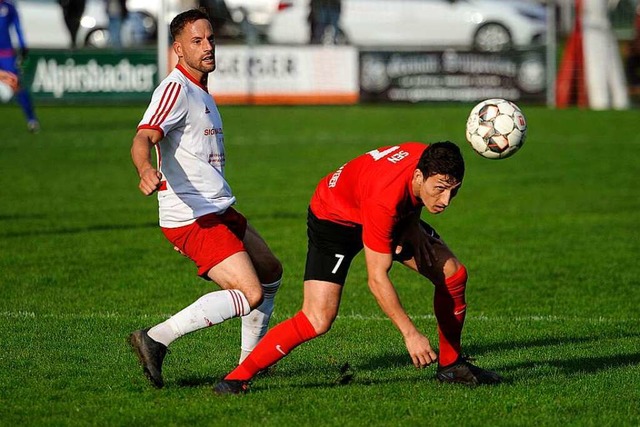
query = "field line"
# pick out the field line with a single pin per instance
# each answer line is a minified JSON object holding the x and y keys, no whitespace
{"x":350,"y":316}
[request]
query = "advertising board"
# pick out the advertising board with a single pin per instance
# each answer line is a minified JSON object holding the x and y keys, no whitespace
{"x":450,"y":75}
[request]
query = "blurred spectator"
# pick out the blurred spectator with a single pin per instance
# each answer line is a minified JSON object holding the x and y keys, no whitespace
{"x":10,"y":60}
{"x":324,"y":18}
{"x":633,"y":59}
{"x":117,"y":12}
{"x":139,"y":33}
{"x":218,"y":13}
{"x":72,"y":11}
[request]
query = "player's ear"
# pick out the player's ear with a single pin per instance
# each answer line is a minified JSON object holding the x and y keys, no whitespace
{"x":177,"y":48}
{"x":417,"y":175}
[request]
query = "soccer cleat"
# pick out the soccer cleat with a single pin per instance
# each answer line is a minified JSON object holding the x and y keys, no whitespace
{"x":33,"y":126}
{"x":150,"y":354}
{"x":231,"y":387}
{"x":463,"y":372}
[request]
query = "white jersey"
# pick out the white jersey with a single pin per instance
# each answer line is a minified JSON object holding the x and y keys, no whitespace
{"x":191,"y":153}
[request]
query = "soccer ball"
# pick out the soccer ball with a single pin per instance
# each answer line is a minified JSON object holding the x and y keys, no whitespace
{"x":496,"y":128}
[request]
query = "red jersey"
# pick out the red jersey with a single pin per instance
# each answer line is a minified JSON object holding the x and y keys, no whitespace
{"x":373,"y":190}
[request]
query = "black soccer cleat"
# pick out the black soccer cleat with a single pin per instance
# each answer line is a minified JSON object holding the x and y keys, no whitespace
{"x":150,"y":354}
{"x":231,"y":387}
{"x":463,"y":372}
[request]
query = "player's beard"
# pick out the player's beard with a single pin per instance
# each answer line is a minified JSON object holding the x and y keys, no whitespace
{"x":208,"y":67}
{"x":203,"y":66}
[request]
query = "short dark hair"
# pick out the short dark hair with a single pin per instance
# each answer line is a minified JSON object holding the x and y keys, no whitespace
{"x":181,"y":20}
{"x":442,"y":158}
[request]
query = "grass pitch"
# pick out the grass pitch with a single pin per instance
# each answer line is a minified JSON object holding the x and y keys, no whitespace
{"x":550,"y":237}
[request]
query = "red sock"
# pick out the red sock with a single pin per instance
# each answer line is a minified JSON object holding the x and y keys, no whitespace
{"x":276,"y":344}
{"x":450,"y":309}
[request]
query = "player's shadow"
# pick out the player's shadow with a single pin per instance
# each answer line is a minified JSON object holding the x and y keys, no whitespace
{"x":194,"y":380}
{"x":534,"y":368}
{"x":199,"y":381}
{"x":77,"y":230}
{"x":570,"y":366}
{"x":515,"y":343}
{"x":21,"y":217}
{"x":574,"y":366}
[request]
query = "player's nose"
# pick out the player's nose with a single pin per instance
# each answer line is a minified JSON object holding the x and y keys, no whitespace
{"x":445,"y":198}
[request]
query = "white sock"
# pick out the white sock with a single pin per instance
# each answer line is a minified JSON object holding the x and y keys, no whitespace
{"x":256,"y":323}
{"x":208,"y":310}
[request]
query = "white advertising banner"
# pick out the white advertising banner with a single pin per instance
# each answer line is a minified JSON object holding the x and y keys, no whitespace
{"x":285,"y":75}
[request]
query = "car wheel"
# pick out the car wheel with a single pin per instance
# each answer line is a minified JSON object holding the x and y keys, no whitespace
{"x":492,"y":37}
{"x":97,"y":38}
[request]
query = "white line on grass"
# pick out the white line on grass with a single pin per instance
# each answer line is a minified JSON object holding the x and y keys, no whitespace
{"x":351,"y":316}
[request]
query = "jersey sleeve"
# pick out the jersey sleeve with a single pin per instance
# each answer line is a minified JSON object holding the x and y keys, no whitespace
{"x":167,"y":109}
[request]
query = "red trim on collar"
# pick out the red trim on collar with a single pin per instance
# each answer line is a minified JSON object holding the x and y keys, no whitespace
{"x":190,"y":77}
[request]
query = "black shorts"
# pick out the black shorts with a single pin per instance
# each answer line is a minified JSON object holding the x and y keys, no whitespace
{"x":332,"y":247}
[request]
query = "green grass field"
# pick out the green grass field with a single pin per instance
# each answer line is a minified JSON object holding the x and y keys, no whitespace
{"x":550,"y":237}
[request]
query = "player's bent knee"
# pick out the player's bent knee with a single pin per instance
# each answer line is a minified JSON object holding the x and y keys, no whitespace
{"x":452,"y":267}
{"x":254,"y":296}
{"x":320,"y":322}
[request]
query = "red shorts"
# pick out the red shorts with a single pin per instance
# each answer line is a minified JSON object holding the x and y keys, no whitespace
{"x":210,"y":239}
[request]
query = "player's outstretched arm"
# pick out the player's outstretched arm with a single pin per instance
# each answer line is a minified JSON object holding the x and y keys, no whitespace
{"x":141,"y":156}
{"x":378,"y":265}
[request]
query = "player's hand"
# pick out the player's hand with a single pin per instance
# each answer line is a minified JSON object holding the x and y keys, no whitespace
{"x":149,"y":181}
{"x":425,"y":252}
{"x":422,"y":243}
{"x":420,"y":350}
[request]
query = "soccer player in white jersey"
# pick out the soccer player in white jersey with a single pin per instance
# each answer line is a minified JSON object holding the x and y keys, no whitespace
{"x":182,"y":123}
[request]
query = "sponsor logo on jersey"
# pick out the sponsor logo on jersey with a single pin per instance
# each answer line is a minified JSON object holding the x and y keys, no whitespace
{"x":334,"y":178}
{"x":216,"y":159}
{"x":212,"y":131}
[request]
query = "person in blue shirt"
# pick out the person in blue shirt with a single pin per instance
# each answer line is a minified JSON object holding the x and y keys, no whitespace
{"x":10,"y":57}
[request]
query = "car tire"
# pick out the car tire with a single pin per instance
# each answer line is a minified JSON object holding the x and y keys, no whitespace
{"x":492,"y":37}
{"x":98,"y":38}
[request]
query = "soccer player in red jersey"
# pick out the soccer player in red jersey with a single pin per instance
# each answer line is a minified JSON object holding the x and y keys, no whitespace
{"x":374,"y":202}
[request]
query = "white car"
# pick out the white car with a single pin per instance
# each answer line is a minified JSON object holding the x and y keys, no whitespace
{"x":486,"y":25}
{"x":43,"y":24}
{"x":259,"y":12}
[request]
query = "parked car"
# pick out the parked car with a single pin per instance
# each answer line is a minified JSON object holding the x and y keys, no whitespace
{"x":249,"y":19}
{"x":43,"y":25}
{"x":259,"y":12}
{"x":486,"y":25}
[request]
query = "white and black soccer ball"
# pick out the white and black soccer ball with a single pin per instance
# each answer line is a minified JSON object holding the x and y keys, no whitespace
{"x":496,"y":128}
